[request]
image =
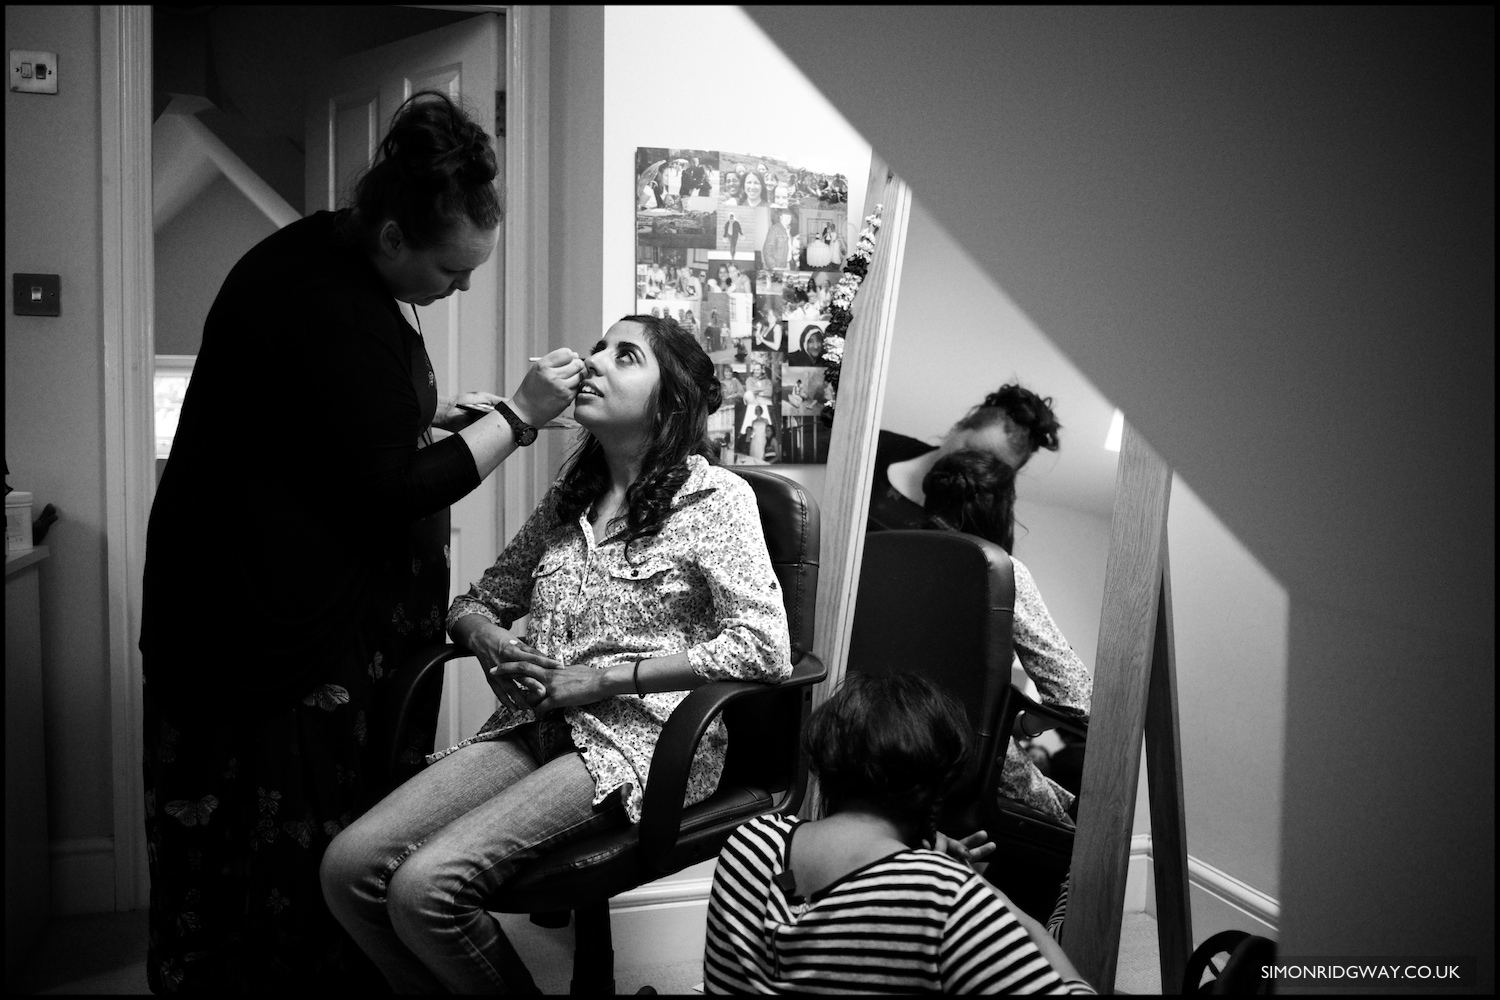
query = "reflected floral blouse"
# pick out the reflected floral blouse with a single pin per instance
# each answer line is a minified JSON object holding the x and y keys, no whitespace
{"x":703,"y":585}
{"x":1063,"y":683}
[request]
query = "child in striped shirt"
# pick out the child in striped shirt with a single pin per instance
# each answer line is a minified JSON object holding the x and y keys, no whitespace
{"x":871,"y":898}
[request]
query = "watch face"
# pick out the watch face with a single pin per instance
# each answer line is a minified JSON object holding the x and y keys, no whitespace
{"x":525,"y":434}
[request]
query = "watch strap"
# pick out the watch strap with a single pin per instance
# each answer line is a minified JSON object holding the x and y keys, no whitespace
{"x":523,"y":432}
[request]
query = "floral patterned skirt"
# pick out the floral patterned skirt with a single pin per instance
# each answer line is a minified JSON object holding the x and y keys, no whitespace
{"x":239,"y":812}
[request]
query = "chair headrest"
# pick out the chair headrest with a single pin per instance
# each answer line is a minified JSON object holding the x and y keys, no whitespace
{"x":788,"y":516}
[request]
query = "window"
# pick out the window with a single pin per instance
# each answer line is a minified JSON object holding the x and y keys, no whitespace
{"x":172,"y":374}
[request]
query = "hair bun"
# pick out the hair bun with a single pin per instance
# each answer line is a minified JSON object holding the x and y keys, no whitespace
{"x":951,"y":482}
{"x":1028,"y":411}
{"x":479,"y":163}
{"x":713,"y":394}
{"x":966,"y":475}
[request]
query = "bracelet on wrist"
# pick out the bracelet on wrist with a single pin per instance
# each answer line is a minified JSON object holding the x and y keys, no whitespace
{"x":635,"y":678}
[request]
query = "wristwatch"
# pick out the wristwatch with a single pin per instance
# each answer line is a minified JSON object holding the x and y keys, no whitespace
{"x":524,"y":432}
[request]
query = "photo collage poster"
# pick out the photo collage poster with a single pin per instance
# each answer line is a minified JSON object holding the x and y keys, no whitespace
{"x":744,"y":252}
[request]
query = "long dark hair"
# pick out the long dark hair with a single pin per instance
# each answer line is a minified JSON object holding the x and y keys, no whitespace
{"x":973,"y":491}
{"x":435,"y":167}
{"x":687,"y":393}
{"x":1036,"y":425}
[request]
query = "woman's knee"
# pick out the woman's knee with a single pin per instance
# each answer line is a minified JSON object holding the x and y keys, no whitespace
{"x":426,"y":887}
{"x":351,"y":868}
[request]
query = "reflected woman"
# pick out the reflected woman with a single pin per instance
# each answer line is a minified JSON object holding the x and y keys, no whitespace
{"x":975,"y":492}
{"x":1011,"y":423}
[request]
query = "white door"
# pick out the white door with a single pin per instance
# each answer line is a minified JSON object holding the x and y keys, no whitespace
{"x":350,"y":105}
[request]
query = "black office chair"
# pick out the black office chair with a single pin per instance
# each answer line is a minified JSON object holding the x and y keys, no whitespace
{"x":765,"y":771}
{"x":941,"y":603}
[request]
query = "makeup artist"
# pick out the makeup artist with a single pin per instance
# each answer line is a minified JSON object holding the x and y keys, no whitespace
{"x":297,"y":550}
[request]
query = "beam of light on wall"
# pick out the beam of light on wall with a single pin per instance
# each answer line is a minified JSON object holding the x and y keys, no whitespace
{"x":1116,"y":431}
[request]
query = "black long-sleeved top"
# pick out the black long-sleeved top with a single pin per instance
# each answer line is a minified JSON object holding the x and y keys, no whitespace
{"x":295,"y":466}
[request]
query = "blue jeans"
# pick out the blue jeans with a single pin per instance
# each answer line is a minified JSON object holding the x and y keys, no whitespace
{"x":408,"y":880}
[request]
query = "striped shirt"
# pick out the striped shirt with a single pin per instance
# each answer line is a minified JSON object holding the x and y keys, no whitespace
{"x":915,"y":922}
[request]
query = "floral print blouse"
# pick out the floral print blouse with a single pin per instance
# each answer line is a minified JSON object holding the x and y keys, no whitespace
{"x":1063,"y":682}
{"x":703,"y":585}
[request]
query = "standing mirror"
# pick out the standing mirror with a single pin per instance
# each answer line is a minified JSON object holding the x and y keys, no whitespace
{"x":951,"y":336}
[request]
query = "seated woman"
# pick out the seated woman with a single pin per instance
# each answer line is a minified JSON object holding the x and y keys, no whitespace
{"x":645,"y":573}
{"x":1011,"y":423}
{"x":975,"y":492}
{"x":859,"y":901}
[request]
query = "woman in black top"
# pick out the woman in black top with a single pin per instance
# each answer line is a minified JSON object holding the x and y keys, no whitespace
{"x":297,"y":550}
{"x":1011,"y":423}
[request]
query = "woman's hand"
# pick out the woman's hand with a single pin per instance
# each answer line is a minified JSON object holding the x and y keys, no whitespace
{"x":550,"y":387}
{"x":455,"y":416}
{"x":567,"y":686}
{"x":972,"y":850}
{"x":505,"y":659}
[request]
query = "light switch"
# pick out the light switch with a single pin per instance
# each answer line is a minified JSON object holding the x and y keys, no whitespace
{"x":37,"y":295}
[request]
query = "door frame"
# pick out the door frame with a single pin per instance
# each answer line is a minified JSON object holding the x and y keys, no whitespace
{"x":128,"y":350}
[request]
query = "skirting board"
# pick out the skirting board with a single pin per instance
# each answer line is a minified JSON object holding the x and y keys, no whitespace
{"x":662,"y":923}
{"x":1219,"y":901}
{"x":83,"y":876}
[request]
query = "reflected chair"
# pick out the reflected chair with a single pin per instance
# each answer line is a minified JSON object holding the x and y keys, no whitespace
{"x":765,"y":771}
{"x":941,"y":603}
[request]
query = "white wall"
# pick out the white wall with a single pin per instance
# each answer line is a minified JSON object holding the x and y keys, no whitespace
{"x":194,"y":254}
{"x":54,"y":400}
{"x":1230,"y":618}
{"x":1268,"y":236}
{"x":1066,"y":550}
{"x":575,"y":200}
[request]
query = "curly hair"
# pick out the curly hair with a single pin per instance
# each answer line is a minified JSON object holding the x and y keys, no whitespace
{"x":1035,"y":425}
{"x":681,"y":403}
{"x":975,"y":492}
{"x":434,"y":168}
{"x":893,"y":742}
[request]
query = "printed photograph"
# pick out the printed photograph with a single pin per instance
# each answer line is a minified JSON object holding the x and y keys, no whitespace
{"x":825,"y":242}
{"x":808,"y":295}
{"x":758,"y":411}
{"x":806,"y":348}
{"x":804,"y":437}
{"x":670,"y":210}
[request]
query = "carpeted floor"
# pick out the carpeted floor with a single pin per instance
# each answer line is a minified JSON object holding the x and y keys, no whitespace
{"x":105,"y":954}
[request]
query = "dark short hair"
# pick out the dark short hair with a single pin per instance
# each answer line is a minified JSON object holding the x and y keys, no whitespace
{"x":434,"y":168}
{"x":973,"y":491}
{"x":893,"y":742}
{"x":1036,"y":425}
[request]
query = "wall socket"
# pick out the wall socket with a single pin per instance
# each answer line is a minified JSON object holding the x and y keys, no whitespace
{"x":33,"y":72}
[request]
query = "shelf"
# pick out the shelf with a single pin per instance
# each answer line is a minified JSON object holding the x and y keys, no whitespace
{"x":17,"y":561}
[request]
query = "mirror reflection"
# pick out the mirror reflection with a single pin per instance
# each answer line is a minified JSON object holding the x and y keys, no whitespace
{"x":987,"y":429}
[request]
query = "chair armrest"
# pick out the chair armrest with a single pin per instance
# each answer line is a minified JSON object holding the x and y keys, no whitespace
{"x":1034,"y":718}
{"x":423,"y":666}
{"x":666,"y":785}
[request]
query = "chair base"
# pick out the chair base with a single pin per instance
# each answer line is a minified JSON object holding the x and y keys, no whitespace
{"x":593,"y":952}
